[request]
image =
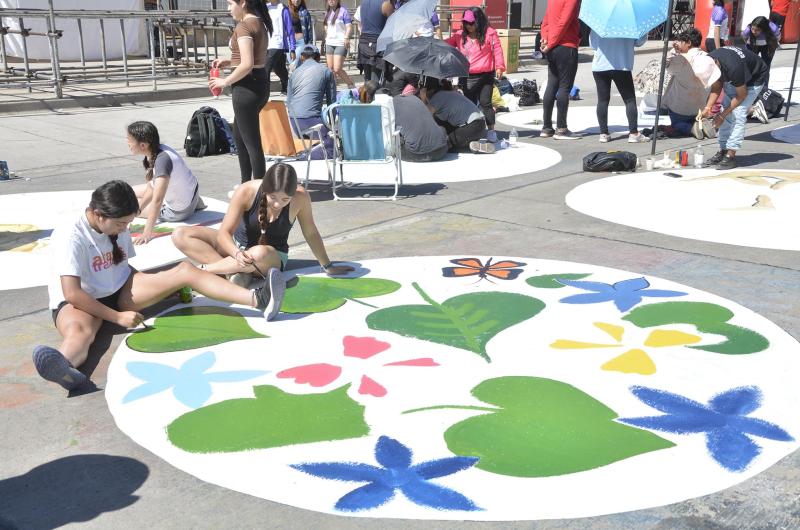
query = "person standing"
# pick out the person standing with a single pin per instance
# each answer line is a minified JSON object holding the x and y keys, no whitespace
{"x":778,"y":11}
{"x":479,"y":43}
{"x":719,"y":27}
{"x":743,"y":75}
{"x":560,"y":40}
{"x":248,"y":81}
{"x":281,"y":41}
{"x":372,"y":19}
{"x":613,"y":62}
{"x":303,"y":28}
{"x":338,"y":25}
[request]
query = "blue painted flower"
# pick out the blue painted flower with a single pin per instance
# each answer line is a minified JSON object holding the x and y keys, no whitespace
{"x":190,"y":383}
{"x":624,"y":294}
{"x":724,"y":420}
{"x":396,"y":473}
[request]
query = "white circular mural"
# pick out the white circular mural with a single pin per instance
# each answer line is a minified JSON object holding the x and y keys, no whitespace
{"x":454,"y":167}
{"x":581,"y":119}
{"x":465,"y":388}
{"x":747,"y":207}
{"x":28,"y":219}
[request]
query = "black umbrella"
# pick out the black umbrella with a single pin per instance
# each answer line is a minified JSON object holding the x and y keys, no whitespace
{"x":427,"y":56}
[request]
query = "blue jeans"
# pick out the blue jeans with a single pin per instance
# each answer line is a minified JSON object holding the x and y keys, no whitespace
{"x":297,"y":49}
{"x":731,"y":133}
{"x":682,"y":124}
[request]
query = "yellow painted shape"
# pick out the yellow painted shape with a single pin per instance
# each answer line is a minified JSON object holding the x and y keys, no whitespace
{"x":18,"y":228}
{"x":562,"y":344}
{"x":613,"y":331}
{"x":631,"y":362}
{"x":666,"y":337}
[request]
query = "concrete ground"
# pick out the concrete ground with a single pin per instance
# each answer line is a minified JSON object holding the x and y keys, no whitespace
{"x":65,"y":463}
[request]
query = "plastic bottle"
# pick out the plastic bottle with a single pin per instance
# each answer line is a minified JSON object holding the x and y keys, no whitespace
{"x":699,"y":156}
{"x":216,"y":91}
{"x":185,"y":294}
{"x":513,"y":137}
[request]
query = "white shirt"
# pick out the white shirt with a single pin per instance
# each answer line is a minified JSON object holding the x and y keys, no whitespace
{"x":337,"y":28}
{"x":182,"y":182}
{"x":276,"y":14}
{"x":78,"y":250}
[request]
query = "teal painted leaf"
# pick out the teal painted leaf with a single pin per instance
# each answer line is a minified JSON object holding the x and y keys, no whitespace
{"x":316,"y":295}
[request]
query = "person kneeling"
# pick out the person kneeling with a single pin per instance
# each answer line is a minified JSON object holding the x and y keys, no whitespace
{"x":462,"y":119}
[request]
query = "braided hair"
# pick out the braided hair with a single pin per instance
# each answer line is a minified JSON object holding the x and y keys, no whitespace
{"x":146,"y":132}
{"x":115,"y":199}
{"x":279,"y":177}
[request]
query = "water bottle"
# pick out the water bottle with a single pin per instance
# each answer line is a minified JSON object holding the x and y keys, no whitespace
{"x":213,"y":73}
{"x":699,"y":157}
{"x":513,"y":137}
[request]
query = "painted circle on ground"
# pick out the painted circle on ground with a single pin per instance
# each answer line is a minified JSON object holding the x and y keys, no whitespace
{"x":454,"y":167}
{"x":780,"y":79}
{"x":579,"y":119}
{"x":789,"y":134}
{"x":28,"y":219}
{"x":747,"y":207}
{"x":464,"y":388}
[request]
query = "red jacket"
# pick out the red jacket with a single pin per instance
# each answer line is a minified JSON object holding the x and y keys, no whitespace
{"x":560,"y":26}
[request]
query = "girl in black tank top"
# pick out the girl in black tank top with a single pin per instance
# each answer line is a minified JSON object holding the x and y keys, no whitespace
{"x":248,"y":232}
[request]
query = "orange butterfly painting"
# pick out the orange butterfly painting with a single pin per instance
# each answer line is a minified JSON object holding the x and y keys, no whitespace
{"x":502,"y":270}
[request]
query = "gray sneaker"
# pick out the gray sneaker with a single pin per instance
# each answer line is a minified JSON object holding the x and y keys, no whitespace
{"x":565,"y":134}
{"x":482,"y":147}
{"x":547,"y":132}
{"x":269,"y":296}
{"x":242,"y":279}
{"x":53,"y":366}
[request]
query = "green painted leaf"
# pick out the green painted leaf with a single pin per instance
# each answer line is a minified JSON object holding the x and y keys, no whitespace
{"x":317,"y":295}
{"x":273,"y":418}
{"x":138,"y":228}
{"x":542,"y":428}
{"x":192,"y":327}
{"x":467,"y":321}
{"x":707,"y":318}
{"x":549,"y":281}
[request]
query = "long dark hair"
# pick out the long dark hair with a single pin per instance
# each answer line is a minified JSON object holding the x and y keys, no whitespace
{"x":113,"y":200}
{"x":258,"y":8}
{"x":719,"y":3}
{"x":144,"y":131}
{"x":762,"y":23}
{"x":295,"y":11}
{"x":335,"y":11}
{"x":481,"y":23}
{"x":279,"y":177}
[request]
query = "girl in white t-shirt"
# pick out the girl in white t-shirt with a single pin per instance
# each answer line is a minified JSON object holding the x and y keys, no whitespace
{"x":338,"y":25}
{"x":170,"y":192}
{"x":92,"y":282}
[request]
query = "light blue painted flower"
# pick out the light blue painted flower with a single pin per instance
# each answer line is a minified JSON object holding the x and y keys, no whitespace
{"x":624,"y":294}
{"x":397,"y":473}
{"x":725,"y":422}
{"x":190,"y":383}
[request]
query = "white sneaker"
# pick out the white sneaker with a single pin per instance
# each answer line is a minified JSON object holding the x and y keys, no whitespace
{"x":604,"y":138}
{"x":637,"y":138}
{"x":759,"y":112}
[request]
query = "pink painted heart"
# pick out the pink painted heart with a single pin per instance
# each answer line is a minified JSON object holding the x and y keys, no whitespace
{"x":313,"y":374}
{"x":371,"y":387}
{"x":363,"y":347}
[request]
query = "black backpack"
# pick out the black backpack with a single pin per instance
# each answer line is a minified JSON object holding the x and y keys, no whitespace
{"x":528,"y":93}
{"x":204,"y":136}
{"x":610,"y":161}
{"x":772,"y":101}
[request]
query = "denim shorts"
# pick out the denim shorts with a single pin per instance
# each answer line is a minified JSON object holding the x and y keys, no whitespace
{"x":335,"y":50}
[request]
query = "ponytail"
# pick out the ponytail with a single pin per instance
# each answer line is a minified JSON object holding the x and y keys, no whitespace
{"x":146,"y":132}
{"x":115,"y":199}
{"x":279,"y":177}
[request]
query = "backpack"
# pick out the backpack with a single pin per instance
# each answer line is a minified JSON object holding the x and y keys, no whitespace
{"x":528,"y":93}
{"x":205,"y":135}
{"x":772,"y":101}
{"x":609,"y":161}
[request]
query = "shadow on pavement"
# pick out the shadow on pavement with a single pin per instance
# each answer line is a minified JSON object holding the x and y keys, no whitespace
{"x":761,"y":158}
{"x":68,"y":490}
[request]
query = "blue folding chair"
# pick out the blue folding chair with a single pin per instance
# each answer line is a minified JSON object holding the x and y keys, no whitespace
{"x":360,"y":138}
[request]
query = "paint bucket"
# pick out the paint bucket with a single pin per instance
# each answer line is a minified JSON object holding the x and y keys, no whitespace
{"x":4,"y":170}
{"x":649,"y":163}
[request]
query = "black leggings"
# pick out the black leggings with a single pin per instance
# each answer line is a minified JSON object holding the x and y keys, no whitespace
{"x":459,"y":138}
{"x":623,"y":79}
{"x":478,"y":89}
{"x":710,"y":45}
{"x":249,"y":95}
{"x":276,"y":62}
{"x":562,"y":65}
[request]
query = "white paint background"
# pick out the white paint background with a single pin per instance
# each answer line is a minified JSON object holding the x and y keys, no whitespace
{"x":47,"y":210}
{"x":648,"y":480}
{"x":580,"y":119}
{"x":707,"y":210}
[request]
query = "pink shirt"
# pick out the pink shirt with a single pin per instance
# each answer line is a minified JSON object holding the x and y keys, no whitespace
{"x":482,"y":59}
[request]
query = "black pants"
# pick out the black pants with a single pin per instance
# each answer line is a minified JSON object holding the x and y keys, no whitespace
{"x":778,"y":20}
{"x":478,"y":89}
{"x":562,"y":65}
{"x":458,"y":138}
{"x":623,"y":79}
{"x":369,"y":58}
{"x":710,"y":46}
{"x":276,"y":62}
{"x":249,"y":95}
{"x":433,"y":156}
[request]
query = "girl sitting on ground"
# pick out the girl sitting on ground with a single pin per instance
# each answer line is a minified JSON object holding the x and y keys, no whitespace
{"x":170,"y":192}
{"x":462,"y":119}
{"x":254,"y":234}
{"x":93,"y":282}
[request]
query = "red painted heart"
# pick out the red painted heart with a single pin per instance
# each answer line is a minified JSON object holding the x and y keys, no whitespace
{"x":315,"y":375}
{"x":363,"y":347}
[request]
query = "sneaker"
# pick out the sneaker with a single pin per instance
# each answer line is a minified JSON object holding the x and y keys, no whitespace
{"x":538,"y":55}
{"x":759,"y":112}
{"x":637,"y":138}
{"x":565,"y":134}
{"x":547,"y":132}
{"x":491,"y":136}
{"x":242,"y":279}
{"x":270,"y":295}
{"x":604,"y":138}
{"x":482,"y":147}
{"x":717,"y":158}
{"x":708,"y":128}
{"x":53,"y":366}
{"x":727,"y":162}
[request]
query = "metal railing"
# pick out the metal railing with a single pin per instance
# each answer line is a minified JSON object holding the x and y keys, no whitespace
{"x":179,"y":43}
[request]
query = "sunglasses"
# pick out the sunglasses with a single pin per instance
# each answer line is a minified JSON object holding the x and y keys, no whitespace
{"x":469,"y":23}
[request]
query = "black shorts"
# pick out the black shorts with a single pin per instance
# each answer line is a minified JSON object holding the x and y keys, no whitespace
{"x":111,"y":301}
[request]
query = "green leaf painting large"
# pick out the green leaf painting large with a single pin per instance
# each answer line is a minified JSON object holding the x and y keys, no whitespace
{"x":550,"y":281}
{"x":316,"y":295}
{"x":192,"y":327}
{"x":541,"y":427}
{"x":273,"y":418}
{"x":467,"y":321}
{"x":707,"y":318}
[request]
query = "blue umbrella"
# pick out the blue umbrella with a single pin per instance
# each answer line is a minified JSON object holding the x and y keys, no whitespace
{"x":623,"y":19}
